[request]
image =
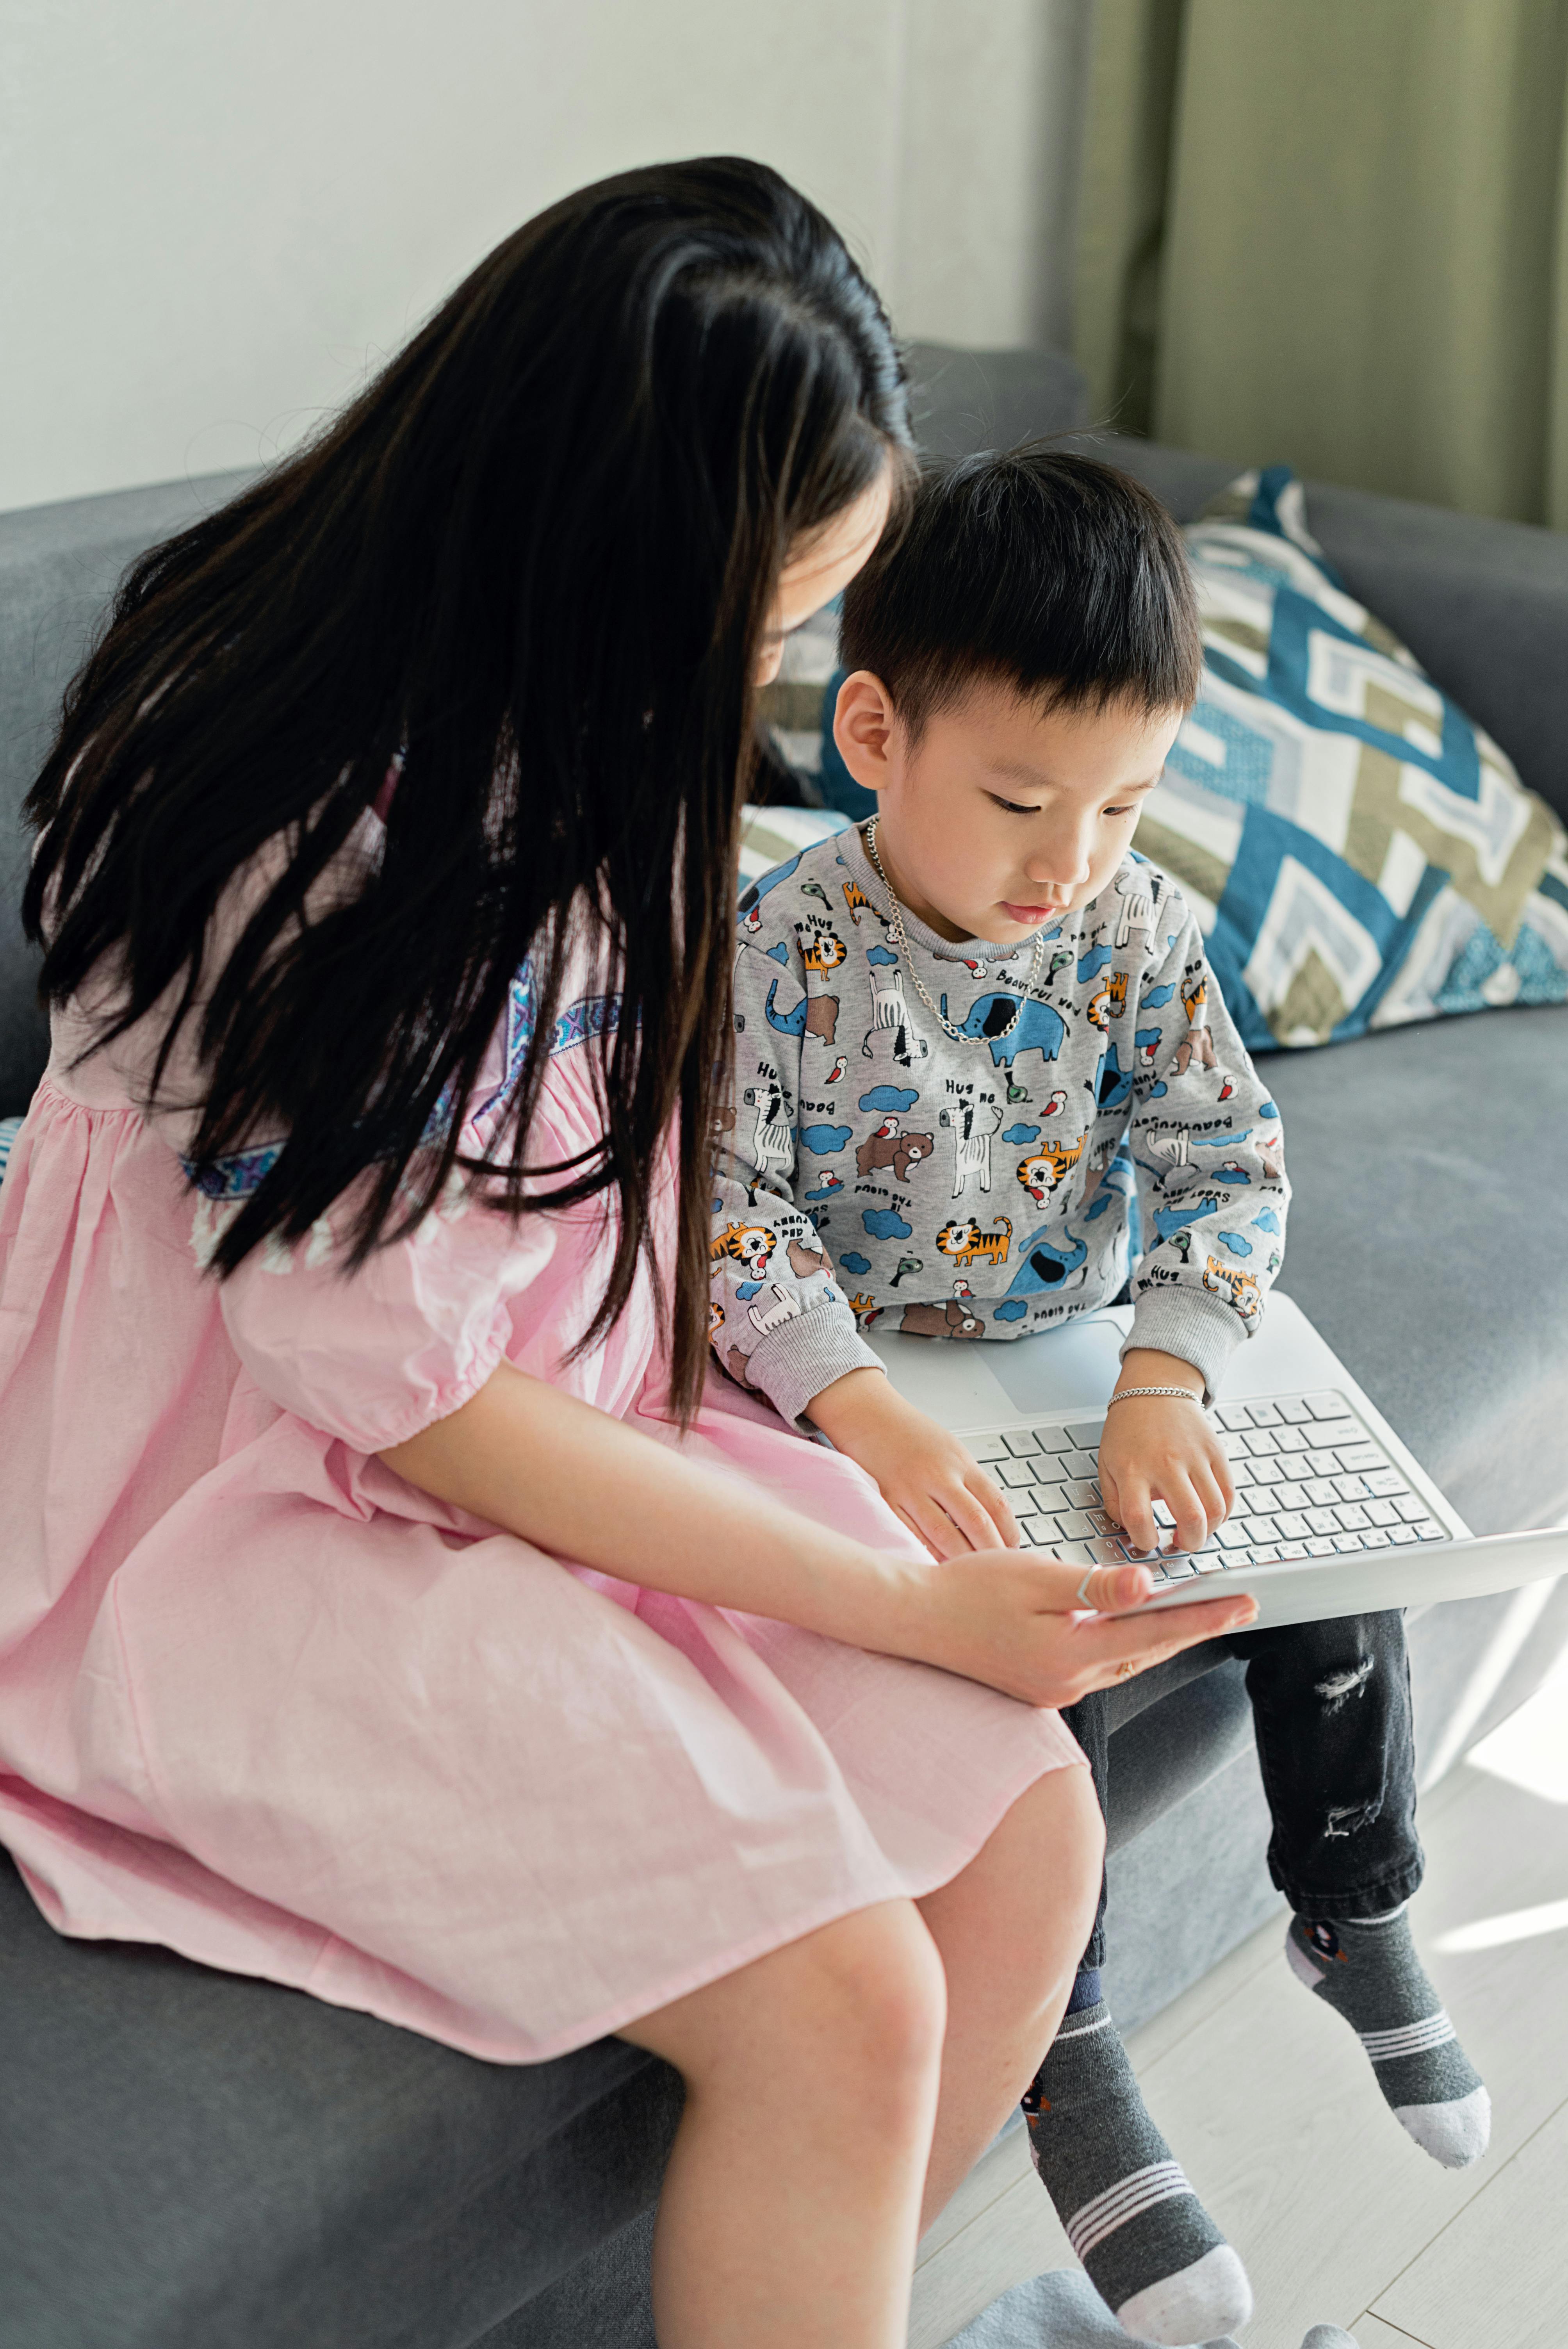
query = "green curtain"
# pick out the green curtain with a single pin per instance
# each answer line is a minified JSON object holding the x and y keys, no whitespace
{"x":1334,"y":234}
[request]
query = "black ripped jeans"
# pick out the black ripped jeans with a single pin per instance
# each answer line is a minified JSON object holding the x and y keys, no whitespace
{"x":1331,"y":1711}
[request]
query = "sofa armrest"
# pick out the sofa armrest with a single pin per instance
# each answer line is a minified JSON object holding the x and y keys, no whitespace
{"x":1482,"y":604}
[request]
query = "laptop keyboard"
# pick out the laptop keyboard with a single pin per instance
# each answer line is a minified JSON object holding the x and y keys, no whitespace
{"x":1311,"y":1482}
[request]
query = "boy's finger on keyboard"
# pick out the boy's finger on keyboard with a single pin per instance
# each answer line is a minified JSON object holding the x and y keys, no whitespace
{"x":1190,"y":1512}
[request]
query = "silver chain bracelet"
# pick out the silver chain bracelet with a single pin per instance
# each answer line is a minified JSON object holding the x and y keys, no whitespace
{"x":1127,"y":1394}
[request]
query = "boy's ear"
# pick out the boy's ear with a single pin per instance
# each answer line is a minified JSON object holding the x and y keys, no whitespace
{"x":865,"y":724}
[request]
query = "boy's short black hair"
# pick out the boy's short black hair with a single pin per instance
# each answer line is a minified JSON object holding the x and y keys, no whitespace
{"x":1031,"y":568}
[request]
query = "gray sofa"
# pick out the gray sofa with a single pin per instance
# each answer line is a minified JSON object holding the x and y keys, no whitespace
{"x":186,"y":2156}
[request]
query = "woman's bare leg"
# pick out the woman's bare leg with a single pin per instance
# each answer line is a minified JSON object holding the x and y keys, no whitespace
{"x":790,"y":2205}
{"x":1011,"y":1930}
{"x":824,"y":2094}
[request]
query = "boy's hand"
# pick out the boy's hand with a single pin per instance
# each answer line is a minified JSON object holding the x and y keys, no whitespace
{"x":1158,"y":1448}
{"x":924,"y":1474}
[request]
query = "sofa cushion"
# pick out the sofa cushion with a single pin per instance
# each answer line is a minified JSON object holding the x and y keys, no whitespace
{"x":1358,"y":853}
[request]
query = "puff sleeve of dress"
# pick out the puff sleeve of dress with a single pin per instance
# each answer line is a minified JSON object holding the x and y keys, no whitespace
{"x":374,"y":1355}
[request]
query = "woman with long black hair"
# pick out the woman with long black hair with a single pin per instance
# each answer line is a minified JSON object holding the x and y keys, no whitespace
{"x":392,"y":1604}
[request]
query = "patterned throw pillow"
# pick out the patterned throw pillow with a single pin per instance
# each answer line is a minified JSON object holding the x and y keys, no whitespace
{"x":1359,"y":853}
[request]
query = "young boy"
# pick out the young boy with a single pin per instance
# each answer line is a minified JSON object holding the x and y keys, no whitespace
{"x":959,"y":1030}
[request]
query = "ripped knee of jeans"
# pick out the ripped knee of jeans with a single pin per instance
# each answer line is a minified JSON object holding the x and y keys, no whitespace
{"x":1340,"y":1686}
{"x":1349,"y":1819}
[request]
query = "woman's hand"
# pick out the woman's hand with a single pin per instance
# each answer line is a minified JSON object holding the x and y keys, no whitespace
{"x":1158,"y":1448}
{"x":1011,"y":1621}
{"x":926,"y":1476}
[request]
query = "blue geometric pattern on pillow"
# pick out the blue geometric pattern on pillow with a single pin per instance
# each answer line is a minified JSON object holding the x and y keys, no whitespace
{"x":1358,"y":853}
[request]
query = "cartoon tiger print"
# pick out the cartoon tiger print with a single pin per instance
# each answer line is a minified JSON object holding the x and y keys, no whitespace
{"x":1046,"y":1168}
{"x":965,"y":1242}
{"x":1238,"y":1288}
{"x":751,"y":1246}
{"x":824,"y":952}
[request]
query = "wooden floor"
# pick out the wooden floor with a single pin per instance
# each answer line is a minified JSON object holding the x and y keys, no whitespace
{"x":1272,"y":2109}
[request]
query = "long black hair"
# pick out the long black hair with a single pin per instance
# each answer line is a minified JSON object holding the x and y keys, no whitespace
{"x":533,"y":563}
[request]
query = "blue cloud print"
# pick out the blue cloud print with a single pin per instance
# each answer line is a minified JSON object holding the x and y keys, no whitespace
{"x":856,"y":1263}
{"x":881,"y":956}
{"x":1167,"y":1221}
{"x":1156,"y":997}
{"x":886,"y":1097}
{"x":1235,"y":1243}
{"x":1267,"y":1222}
{"x":826,"y":1187}
{"x":821,"y":1139}
{"x":1093,"y":963}
{"x":780,"y":953}
{"x":1012,"y":1308}
{"x":1018,"y":1134}
{"x":884,"y":1224}
{"x":1268,"y":1110}
{"x":1229,"y":1175}
{"x":745,"y":1289}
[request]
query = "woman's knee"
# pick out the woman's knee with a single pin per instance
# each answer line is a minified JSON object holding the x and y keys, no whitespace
{"x":864,"y":1996}
{"x":876,"y":1980}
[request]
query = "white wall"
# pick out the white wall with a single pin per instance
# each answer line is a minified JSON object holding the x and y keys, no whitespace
{"x":214,"y":214}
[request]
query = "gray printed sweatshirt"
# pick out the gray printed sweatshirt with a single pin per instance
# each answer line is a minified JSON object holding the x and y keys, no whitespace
{"x":870,"y":1168}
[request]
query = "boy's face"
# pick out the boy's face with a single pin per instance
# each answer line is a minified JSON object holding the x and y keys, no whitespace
{"x":999,"y":818}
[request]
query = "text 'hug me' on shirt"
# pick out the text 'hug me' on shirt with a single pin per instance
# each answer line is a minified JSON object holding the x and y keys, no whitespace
{"x":943,"y":1138}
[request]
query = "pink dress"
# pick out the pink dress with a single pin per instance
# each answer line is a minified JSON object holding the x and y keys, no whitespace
{"x":263,"y":1701}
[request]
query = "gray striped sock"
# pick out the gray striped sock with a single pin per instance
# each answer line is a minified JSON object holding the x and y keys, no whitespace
{"x":1368,"y":1973}
{"x":1152,"y":2252}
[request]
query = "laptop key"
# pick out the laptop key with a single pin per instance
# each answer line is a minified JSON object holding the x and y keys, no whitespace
{"x":1082,"y":1492}
{"x":1082,"y":1464}
{"x":1050,"y":1497}
{"x":1293,"y":1409}
{"x":1075,"y":1553}
{"x":1293,"y":1526}
{"x":1015,"y":1476}
{"x":1019,"y":1443}
{"x":1076,"y":1528}
{"x":986,"y":1448}
{"x":1179,"y":1569}
{"x":1351,"y":1516}
{"x":1429,"y":1531}
{"x":1320,"y":1546}
{"x":1210,"y":1561}
{"x":1263,"y":1529}
{"x":1262,"y":1415}
{"x":1291,"y":1439}
{"x":1321,"y":1521}
{"x":1260,"y":1444}
{"x":1360,"y":1455}
{"x":1046,"y":1530}
{"x":1108,"y":1552}
{"x":1320,"y":1492}
{"x":1325,"y":1406}
{"x":1289,"y":1496}
{"x":1231,"y":1535}
{"x":1347,"y":1541}
{"x":1232,"y":1415}
{"x":1386,"y":1482}
{"x":1402,"y":1534}
{"x":1087,"y":1434}
{"x":1382,"y":1513}
{"x":1053,"y":1439}
{"x":1410,"y":1507}
{"x":1375,"y":1537}
{"x":1352,"y":1488}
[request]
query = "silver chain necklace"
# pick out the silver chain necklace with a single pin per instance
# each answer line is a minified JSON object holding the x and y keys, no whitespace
{"x":957,"y":1035}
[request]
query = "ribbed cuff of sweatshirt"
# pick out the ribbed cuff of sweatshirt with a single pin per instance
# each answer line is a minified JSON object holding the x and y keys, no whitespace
{"x":802,"y":1356}
{"x":1190,"y":1324}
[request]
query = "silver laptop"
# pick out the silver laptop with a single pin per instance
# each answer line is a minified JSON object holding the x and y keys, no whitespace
{"x":1333,"y":1516}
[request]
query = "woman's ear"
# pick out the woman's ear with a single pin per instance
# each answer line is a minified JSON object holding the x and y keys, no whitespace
{"x":865,"y":727}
